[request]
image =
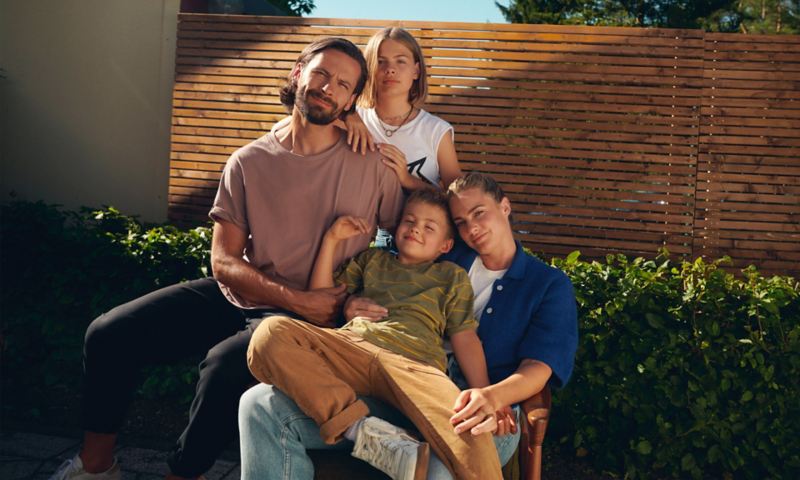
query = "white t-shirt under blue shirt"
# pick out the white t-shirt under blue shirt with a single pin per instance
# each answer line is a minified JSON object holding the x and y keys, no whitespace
{"x":418,"y":139}
{"x":482,"y":280}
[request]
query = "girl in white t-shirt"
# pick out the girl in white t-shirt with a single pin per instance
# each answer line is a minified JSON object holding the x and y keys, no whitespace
{"x":418,"y":146}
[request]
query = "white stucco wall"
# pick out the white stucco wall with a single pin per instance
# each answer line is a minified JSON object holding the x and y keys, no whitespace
{"x":85,"y":104}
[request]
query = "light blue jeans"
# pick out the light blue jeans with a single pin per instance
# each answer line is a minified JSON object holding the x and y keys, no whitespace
{"x":274,"y":435}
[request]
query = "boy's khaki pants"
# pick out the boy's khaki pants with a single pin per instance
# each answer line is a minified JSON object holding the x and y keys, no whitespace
{"x":323,"y":370}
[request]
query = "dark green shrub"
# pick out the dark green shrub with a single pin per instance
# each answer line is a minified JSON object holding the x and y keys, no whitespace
{"x":684,"y":370}
{"x":61,"y":269}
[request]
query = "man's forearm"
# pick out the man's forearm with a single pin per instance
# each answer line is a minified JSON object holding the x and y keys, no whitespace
{"x":254,"y":285}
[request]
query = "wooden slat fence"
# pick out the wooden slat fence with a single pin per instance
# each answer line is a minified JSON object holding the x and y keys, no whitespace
{"x":748,"y":191}
{"x":606,"y":139}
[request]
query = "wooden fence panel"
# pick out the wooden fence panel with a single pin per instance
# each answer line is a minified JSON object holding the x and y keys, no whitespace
{"x":596,"y":133}
{"x":748,"y":194}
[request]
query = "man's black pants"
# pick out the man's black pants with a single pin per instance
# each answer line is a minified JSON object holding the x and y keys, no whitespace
{"x":164,"y":326}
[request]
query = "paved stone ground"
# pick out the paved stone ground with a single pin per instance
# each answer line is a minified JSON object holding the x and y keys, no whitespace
{"x":35,"y":456}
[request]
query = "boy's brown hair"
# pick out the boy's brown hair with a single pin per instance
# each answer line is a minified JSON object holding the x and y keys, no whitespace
{"x":436,"y":198}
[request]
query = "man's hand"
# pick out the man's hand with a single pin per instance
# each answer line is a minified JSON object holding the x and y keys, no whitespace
{"x":365,"y":308}
{"x":474,"y":412}
{"x":321,"y":307}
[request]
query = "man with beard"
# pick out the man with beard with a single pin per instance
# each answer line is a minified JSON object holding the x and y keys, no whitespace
{"x":276,"y":198}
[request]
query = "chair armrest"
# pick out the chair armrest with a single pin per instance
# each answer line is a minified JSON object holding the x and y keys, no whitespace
{"x":536,"y":412}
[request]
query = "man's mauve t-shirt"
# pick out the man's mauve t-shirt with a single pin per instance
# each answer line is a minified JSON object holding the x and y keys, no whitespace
{"x":285,"y":203}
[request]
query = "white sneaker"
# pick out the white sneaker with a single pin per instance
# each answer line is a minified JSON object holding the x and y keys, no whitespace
{"x":391,"y":450}
{"x":72,"y":469}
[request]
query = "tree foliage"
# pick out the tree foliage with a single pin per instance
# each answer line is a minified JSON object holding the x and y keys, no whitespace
{"x":296,"y":8}
{"x":745,"y":16}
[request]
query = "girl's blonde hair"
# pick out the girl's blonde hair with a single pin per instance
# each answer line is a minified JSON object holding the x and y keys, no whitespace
{"x":419,"y":89}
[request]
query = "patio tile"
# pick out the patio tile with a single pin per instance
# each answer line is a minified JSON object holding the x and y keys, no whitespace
{"x":141,"y":476}
{"x":18,"y":469}
{"x":234,"y":474}
{"x":143,"y":460}
{"x":220,"y":470}
{"x":33,"y":445}
{"x":32,"y":456}
{"x":48,"y":468}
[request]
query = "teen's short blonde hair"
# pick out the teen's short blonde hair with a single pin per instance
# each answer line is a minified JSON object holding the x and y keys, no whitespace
{"x":419,"y":90}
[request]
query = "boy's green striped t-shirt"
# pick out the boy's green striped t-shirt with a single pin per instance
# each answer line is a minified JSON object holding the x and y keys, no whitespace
{"x":425,"y":302}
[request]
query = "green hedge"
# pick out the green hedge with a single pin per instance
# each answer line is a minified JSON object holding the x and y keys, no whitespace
{"x":683,"y":370}
{"x":61,"y":269}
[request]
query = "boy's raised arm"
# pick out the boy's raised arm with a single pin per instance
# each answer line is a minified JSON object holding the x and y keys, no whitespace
{"x":343,"y":228}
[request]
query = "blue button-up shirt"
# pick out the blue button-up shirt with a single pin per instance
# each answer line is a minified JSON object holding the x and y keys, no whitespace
{"x":531,"y":313}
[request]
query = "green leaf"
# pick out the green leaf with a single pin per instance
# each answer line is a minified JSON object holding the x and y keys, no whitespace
{"x":714,"y":329}
{"x":573,"y":257}
{"x":687,"y":462}
{"x":714,"y":454}
{"x":644,"y":447}
{"x":654,"y":320}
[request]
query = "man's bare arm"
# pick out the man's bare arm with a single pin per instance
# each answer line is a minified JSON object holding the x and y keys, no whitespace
{"x":227,"y":246}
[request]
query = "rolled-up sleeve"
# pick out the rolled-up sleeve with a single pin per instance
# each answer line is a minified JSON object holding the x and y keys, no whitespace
{"x":230,"y":203}
{"x":552,"y":335}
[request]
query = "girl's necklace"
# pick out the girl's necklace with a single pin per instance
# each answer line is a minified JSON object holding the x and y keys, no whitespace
{"x":387,"y":129}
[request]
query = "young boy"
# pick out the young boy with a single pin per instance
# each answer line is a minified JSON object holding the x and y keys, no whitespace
{"x":399,"y":359}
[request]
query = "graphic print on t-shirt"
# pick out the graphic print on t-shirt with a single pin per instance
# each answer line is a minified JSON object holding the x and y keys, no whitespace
{"x":417,"y":165}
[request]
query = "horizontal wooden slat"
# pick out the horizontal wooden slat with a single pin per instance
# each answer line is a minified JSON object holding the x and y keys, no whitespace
{"x":438,"y":26}
{"x":236,"y":50}
{"x":534,"y":171}
{"x":455,"y":30}
{"x":431,"y":45}
{"x":524,"y":72}
{"x":604,"y":245}
{"x":679,"y":211}
{"x":459,"y":94}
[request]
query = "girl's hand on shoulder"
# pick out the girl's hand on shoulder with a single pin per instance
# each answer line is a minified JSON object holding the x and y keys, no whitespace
{"x":393,"y":158}
{"x":358,"y":136}
{"x":347,"y":226}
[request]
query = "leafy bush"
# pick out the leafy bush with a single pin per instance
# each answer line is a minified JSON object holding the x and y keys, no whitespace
{"x":684,"y":370}
{"x":61,"y":269}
